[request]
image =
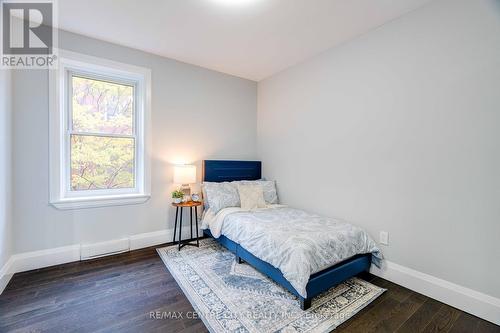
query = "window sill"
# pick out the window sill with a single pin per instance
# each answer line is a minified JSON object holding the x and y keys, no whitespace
{"x":104,"y":201}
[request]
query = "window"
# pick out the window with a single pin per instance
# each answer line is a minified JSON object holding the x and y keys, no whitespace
{"x":99,"y":146}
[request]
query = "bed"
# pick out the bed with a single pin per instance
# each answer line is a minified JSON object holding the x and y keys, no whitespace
{"x":318,"y":282}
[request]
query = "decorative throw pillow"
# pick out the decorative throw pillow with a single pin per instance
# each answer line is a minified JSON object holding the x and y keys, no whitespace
{"x":251,"y":196}
{"x":269,"y":188}
{"x":221,"y":195}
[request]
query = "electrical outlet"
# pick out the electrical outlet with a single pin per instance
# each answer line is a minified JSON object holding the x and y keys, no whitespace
{"x":384,"y":238}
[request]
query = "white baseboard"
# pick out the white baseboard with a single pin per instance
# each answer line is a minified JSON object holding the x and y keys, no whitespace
{"x":141,"y":241}
{"x":44,"y":258}
{"x":5,"y":274}
{"x":95,"y":250}
{"x":465,"y":299}
{"x":32,"y":260}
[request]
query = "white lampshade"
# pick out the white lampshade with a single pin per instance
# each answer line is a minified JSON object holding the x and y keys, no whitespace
{"x":184,"y":174}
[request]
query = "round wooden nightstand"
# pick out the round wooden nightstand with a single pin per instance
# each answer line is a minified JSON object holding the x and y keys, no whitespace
{"x":191,"y":205}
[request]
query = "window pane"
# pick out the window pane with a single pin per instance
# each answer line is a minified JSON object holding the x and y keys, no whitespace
{"x":102,"y":107}
{"x":102,"y":162}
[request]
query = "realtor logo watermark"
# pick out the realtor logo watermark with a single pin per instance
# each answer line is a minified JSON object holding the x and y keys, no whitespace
{"x":28,"y":34}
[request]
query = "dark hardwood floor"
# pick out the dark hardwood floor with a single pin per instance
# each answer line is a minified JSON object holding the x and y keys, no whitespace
{"x":118,"y":293}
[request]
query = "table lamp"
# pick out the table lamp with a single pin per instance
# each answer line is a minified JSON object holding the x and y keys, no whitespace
{"x":185,"y":175}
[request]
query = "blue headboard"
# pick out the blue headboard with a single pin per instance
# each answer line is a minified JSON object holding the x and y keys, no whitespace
{"x":227,"y":171}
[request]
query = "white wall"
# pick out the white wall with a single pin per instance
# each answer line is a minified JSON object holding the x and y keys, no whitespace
{"x":5,"y":171}
{"x":399,"y":130}
{"x":196,"y":114}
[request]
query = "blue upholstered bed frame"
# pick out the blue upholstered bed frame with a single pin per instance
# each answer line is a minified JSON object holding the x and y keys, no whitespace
{"x":220,"y":171}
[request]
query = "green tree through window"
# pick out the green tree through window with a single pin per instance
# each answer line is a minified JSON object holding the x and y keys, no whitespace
{"x":102,"y":145}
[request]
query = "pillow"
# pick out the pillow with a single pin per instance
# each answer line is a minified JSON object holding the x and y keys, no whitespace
{"x":269,"y":188}
{"x":206,"y":206}
{"x":251,"y":196}
{"x":221,"y":195}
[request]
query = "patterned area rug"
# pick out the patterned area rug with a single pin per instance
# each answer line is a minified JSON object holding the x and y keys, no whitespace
{"x":231,"y":297}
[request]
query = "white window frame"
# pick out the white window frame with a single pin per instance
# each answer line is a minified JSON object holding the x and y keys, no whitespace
{"x":61,"y":195}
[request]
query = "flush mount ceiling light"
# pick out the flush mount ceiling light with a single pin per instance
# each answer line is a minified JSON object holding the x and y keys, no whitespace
{"x":234,"y":2}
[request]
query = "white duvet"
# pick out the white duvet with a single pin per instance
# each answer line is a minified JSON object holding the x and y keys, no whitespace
{"x":296,"y":242}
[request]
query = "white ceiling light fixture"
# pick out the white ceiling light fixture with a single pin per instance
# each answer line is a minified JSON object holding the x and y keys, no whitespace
{"x":234,"y":2}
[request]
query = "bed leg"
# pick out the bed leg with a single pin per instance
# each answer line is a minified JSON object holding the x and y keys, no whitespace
{"x":305,"y":303}
{"x":238,"y":260}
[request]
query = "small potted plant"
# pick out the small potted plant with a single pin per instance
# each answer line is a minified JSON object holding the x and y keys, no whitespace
{"x":177,"y":196}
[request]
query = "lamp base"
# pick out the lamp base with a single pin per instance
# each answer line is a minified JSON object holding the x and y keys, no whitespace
{"x":187,"y":192}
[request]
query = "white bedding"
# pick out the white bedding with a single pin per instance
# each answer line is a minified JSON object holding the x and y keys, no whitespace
{"x":296,"y":242}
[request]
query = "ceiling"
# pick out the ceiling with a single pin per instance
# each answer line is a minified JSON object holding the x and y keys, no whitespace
{"x":252,"y":39}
